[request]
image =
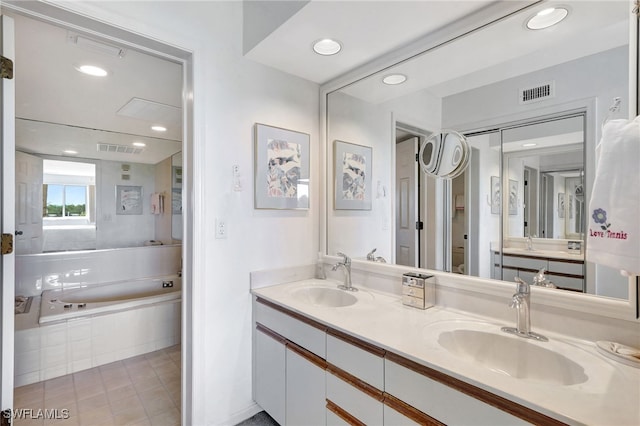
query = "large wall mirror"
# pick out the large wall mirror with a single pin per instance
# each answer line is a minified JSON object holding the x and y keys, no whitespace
{"x":531,"y":110}
{"x":91,"y":171}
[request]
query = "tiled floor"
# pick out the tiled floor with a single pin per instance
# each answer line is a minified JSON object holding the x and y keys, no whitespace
{"x":144,"y":390}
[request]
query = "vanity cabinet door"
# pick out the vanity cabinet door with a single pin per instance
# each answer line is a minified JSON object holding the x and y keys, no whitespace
{"x":357,"y":358}
{"x":270,"y":364}
{"x":440,"y":401}
{"x":305,"y":384}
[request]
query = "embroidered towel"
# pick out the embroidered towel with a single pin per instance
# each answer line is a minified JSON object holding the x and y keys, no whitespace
{"x":157,"y":206}
{"x":613,"y":237}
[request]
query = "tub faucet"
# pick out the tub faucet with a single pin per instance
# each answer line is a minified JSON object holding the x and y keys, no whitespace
{"x":346,"y":266}
{"x":521,"y":302}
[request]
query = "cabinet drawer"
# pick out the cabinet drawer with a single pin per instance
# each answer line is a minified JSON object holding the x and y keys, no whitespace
{"x":392,"y":417}
{"x":301,"y":333}
{"x":334,"y":420}
{"x":353,"y":400}
{"x":524,"y":262}
{"x":440,"y":401}
{"x":413,"y":291}
{"x":567,"y":282}
{"x":358,"y":361}
{"x":566,"y":267}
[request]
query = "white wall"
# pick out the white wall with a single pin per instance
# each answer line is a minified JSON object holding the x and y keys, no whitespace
{"x":230,"y":95}
{"x":356,"y":232}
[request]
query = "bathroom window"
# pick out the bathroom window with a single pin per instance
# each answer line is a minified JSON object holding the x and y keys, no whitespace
{"x":65,"y":200}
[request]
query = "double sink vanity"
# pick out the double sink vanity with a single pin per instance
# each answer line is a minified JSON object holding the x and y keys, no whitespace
{"x":324,"y":355}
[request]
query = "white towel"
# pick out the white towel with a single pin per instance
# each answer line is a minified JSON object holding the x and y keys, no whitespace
{"x":157,"y":204}
{"x":613,"y":237}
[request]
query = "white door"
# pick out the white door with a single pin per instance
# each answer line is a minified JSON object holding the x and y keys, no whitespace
{"x":406,"y":203}
{"x":7,"y":163}
{"x":28,"y":204}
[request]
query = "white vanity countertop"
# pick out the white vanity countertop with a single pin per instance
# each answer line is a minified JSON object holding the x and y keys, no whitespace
{"x":551,"y":254}
{"x":609,"y":397}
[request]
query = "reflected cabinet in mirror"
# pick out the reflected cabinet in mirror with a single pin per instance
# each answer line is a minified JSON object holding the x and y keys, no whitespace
{"x":531,"y":111}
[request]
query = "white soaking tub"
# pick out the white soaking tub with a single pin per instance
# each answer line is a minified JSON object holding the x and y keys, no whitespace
{"x":94,"y":299}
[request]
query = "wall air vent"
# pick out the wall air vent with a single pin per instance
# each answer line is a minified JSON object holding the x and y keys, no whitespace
{"x":538,"y":93}
{"x":119,"y":149}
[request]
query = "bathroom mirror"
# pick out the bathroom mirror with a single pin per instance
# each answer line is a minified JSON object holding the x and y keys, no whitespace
{"x":485,"y":90}
{"x":76,"y":210}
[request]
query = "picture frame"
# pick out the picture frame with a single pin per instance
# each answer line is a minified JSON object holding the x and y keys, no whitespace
{"x":496,"y":201}
{"x":129,"y":200}
{"x":281,"y":174}
{"x":176,"y":200}
{"x":561,"y":200}
{"x":353,"y":165}
{"x":176,"y":176}
{"x":513,"y":197}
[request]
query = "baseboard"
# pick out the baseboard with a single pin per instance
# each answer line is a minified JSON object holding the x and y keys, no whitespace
{"x":242,"y":415}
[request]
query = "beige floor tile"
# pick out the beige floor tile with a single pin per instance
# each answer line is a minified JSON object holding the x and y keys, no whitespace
{"x":144,"y":422}
{"x":124,"y":392}
{"x":58,"y":383}
{"x":147,"y":384}
{"x":125,"y":404}
{"x":25,"y":396}
{"x":60,"y":396}
{"x":130,"y":416}
{"x":158,"y":406}
{"x":168,"y":418}
{"x":94,"y":403}
{"x":86,"y":392}
{"x":115,"y":383}
{"x":90,"y":416}
{"x":28,"y":422}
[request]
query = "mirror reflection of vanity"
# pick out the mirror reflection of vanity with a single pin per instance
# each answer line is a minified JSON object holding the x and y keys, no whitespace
{"x":531,"y":111}
{"x":71,"y":202}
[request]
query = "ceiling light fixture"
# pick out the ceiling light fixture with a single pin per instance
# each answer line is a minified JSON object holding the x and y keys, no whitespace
{"x":92,"y":70}
{"x":140,"y":144}
{"x":393,"y":79}
{"x":327,"y":47}
{"x":547,"y":18}
{"x":529,"y":144}
{"x":158,"y":128}
{"x":70,"y":151}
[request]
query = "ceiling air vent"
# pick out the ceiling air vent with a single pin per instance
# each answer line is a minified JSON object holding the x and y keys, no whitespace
{"x":119,"y":149}
{"x":537,"y":93}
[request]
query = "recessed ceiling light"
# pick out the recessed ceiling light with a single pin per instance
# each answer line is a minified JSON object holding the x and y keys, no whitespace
{"x":546,"y":18}
{"x":529,"y":144}
{"x":327,"y":47}
{"x":140,"y":144}
{"x":92,"y":70}
{"x":70,"y":151}
{"x":392,"y":79}
{"x":158,"y":128}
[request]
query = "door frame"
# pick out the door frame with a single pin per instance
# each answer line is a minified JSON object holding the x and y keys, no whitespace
{"x":58,"y":16}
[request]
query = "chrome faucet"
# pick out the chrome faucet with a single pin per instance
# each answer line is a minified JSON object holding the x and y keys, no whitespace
{"x":373,"y":258}
{"x":346,"y":265}
{"x":540,"y":280}
{"x":529,"y":243}
{"x":521,"y":302}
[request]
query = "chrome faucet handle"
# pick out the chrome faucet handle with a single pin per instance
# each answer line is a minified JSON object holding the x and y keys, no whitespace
{"x":370,"y":255}
{"x":522,"y":287}
{"x":345,"y":259}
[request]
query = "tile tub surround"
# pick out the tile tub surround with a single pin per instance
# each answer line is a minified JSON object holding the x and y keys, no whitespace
{"x":609,"y":397}
{"x":143,"y":390}
{"x":54,"y":350}
{"x":49,"y":271}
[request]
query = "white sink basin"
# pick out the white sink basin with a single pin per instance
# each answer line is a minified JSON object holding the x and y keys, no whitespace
{"x":325,"y":296}
{"x":512,"y":355}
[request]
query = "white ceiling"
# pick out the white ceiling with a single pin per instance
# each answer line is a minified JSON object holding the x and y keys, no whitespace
{"x":58,"y":108}
{"x":366,"y":29}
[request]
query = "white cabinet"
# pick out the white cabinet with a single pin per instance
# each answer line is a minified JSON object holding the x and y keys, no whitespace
{"x":366,"y":407}
{"x":270,"y":365}
{"x":363,"y":361}
{"x":305,"y":393}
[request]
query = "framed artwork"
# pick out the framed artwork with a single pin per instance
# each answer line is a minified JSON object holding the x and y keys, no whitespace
{"x":353,"y":167}
{"x":176,"y":176}
{"x":495,"y":195}
{"x":513,"y":197}
{"x":128,"y":200}
{"x":281,"y":168}
{"x":176,"y":200}
{"x":561,"y":199}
